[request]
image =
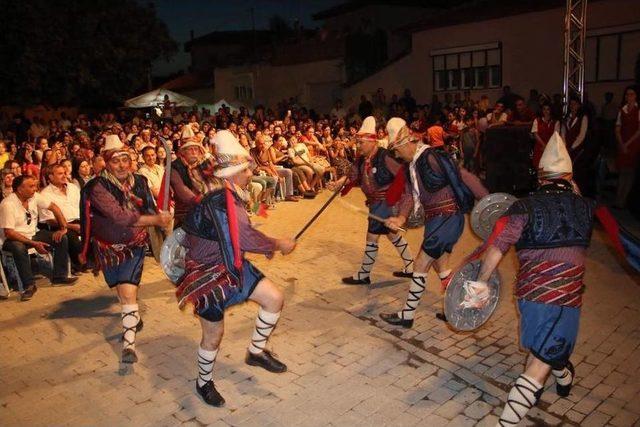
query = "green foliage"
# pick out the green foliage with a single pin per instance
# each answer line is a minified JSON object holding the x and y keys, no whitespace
{"x":84,"y":52}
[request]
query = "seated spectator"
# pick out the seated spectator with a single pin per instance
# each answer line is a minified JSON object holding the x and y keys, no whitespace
{"x":521,"y":114}
{"x":317,"y":155}
{"x":151,"y":169}
{"x":280,"y":157}
{"x":6,"y":183}
{"x":82,"y":173}
{"x":265,"y":171}
{"x":98,"y":165}
{"x":65,"y":196}
{"x":4,"y":155}
{"x":299,"y":155}
{"x":14,"y":167}
{"x":383,"y":139}
{"x":497,"y":117}
{"x":19,"y":221}
{"x":27,"y":158}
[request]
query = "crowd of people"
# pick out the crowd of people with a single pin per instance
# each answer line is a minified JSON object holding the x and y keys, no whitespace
{"x":104,"y":181}
{"x":296,"y":151}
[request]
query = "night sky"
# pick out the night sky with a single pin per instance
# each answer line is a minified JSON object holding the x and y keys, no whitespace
{"x":204,"y":16}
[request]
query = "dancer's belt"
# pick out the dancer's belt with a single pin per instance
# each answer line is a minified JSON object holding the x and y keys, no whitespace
{"x":557,"y":283}
{"x":445,"y":207}
{"x":375,"y":197}
{"x":112,"y":254}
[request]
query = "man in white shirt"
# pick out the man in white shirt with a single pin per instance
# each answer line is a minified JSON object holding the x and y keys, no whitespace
{"x":67,"y":197}
{"x":497,"y":117}
{"x":150,"y":170}
{"x":19,"y":220}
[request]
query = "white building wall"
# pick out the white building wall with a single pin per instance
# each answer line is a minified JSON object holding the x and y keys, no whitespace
{"x":532,"y":53}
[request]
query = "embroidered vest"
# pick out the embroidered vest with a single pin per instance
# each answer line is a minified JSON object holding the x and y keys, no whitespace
{"x":557,"y":218}
{"x":433,"y":181}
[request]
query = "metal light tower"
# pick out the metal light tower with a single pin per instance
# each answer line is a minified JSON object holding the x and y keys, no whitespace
{"x":575,"y":28}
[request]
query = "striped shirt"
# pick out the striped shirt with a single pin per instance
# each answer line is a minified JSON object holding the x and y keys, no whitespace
{"x":550,"y":276}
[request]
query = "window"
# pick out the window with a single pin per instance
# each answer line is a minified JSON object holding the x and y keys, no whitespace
{"x":469,"y":67}
{"x":611,"y":56}
{"x":243,"y":93}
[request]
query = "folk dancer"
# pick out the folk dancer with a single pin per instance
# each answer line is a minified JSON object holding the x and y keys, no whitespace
{"x":551,"y":230}
{"x":446,"y":192}
{"x":374,"y":171}
{"x":218,"y":233}
{"x":191,"y":175}
{"x":116,"y":208}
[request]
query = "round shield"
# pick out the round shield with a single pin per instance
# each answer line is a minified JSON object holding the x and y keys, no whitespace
{"x":464,"y":318}
{"x":172,"y":255}
{"x":487,"y":211}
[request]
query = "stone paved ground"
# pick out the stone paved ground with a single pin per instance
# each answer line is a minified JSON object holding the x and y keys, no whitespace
{"x":59,"y":352}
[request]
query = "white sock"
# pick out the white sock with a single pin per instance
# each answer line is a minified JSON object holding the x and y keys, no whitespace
{"x":563,"y":376}
{"x":206,"y":359}
{"x":444,"y":274}
{"x":405,"y":253}
{"x":418,"y":285}
{"x":521,"y":398}
{"x":265,"y":323}
{"x":370,"y":255}
{"x":130,"y":319}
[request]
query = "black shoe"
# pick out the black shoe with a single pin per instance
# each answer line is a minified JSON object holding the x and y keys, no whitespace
{"x":564,"y":390}
{"x":64,"y":280}
{"x":441,"y":316}
{"x":394,"y":319}
{"x":209,"y":394}
{"x":402,"y":274}
{"x":129,"y":356}
{"x":309,"y":195}
{"x":27,"y":294}
{"x":351,"y":281}
{"x":265,"y":360}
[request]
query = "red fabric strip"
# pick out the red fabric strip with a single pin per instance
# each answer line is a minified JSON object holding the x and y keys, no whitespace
{"x":394,"y":193}
{"x":233,"y":227}
{"x":611,"y":228}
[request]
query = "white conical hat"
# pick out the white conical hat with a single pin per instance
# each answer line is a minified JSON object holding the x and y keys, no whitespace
{"x":555,"y":161}
{"x":393,"y":127}
{"x":187,"y":133}
{"x":112,"y":142}
{"x":368,"y":129}
{"x":231,"y":157}
{"x":113,"y":147}
{"x":189,"y":139}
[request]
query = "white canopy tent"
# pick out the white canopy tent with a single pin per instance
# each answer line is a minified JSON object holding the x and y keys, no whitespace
{"x":156,"y":98}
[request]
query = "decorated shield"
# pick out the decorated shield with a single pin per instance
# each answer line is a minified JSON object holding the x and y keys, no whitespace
{"x":172,"y":255}
{"x":487,"y":211}
{"x":462,"y":315}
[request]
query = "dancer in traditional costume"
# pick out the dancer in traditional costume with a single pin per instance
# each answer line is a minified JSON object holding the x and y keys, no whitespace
{"x":116,"y":208}
{"x":446,"y":192}
{"x":191,"y":175}
{"x":374,"y":171}
{"x":551,"y":230}
{"x":218,"y":233}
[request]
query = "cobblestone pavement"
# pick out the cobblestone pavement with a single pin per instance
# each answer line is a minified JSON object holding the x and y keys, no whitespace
{"x":59,"y":352}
